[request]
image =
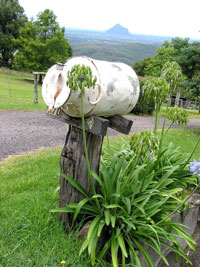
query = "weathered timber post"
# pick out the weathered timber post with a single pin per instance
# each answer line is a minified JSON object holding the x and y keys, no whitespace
{"x":35,"y":88}
{"x":36,"y":84}
{"x":72,"y":161}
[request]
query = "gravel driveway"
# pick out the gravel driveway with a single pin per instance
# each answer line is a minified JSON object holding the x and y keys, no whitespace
{"x":22,"y":131}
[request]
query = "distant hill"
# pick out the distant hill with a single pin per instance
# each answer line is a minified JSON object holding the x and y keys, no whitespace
{"x":100,"y":36}
{"x":117,"y":52}
{"x":111,"y":46}
{"x":118,"y":30}
{"x":116,"y":44}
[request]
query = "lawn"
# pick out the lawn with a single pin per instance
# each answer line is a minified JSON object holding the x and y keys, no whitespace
{"x":29,"y":234}
{"x":29,"y":187}
{"x":184,"y":140}
{"x":192,"y":113}
{"x":22,"y":91}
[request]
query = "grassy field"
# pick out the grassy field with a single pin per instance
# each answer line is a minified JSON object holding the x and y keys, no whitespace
{"x":192,"y":113}
{"x":183,"y":139}
{"x":29,"y":234}
{"x":22,"y":91}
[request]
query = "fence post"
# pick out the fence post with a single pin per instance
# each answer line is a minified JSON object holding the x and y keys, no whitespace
{"x":9,"y":83}
{"x":35,"y":89}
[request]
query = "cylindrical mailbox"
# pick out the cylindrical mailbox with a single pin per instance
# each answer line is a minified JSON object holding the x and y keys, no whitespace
{"x":116,"y":91}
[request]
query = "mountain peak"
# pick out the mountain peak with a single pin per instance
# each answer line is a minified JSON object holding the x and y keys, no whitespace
{"x":117,"y":29}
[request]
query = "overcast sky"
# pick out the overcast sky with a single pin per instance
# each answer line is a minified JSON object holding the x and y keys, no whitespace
{"x":179,"y":18}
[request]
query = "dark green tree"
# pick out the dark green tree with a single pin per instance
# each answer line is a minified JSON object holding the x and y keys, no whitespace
{"x":177,"y":43}
{"x":186,"y":54}
{"x":189,"y":59}
{"x":163,"y":55}
{"x":42,"y":43}
{"x":139,"y":66}
{"x":12,"y":17}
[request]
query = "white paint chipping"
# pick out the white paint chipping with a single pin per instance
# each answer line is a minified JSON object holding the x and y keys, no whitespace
{"x":116,"y":90}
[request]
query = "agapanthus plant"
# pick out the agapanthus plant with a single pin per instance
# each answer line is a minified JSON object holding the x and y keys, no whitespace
{"x":133,"y":207}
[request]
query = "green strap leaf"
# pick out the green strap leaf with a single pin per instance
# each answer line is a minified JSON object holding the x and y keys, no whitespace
{"x":107,"y":216}
{"x":112,"y":206}
{"x":113,"y":220}
{"x":101,"y":225}
{"x":64,"y":209}
{"x":159,"y":252}
{"x":181,"y":253}
{"x":97,"y":196}
{"x":80,"y":205}
{"x":123,"y":261}
{"x":93,"y":226}
{"x":144,"y":252}
{"x":92,"y":246}
{"x":165,"y":178}
{"x":84,"y":246}
{"x":75,"y":184}
{"x":122,"y":245}
{"x":104,"y":249}
{"x":131,"y":250}
{"x":114,"y":250}
{"x":99,"y":180}
{"x":116,"y":172}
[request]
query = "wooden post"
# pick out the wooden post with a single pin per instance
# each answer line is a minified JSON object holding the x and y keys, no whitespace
{"x":72,"y":161}
{"x":40,"y":79}
{"x":177,"y":99}
{"x":35,"y":89}
{"x":36,"y":84}
{"x":9,"y":83}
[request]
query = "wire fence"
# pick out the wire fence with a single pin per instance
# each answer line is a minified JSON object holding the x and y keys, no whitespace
{"x":8,"y":78}
{"x":186,"y":104}
{"x":6,"y":67}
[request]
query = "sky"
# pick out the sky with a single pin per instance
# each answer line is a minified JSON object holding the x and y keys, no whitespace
{"x":174,"y":18}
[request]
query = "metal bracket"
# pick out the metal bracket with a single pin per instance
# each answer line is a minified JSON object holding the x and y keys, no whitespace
{"x":59,"y":66}
{"x":90,"y":122}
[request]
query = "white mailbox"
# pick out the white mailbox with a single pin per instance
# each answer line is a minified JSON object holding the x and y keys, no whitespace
{"x":116,"y":91}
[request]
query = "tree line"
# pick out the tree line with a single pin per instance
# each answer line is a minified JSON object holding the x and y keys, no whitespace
{"x":186,"y":54}
{"x":32,"y":45}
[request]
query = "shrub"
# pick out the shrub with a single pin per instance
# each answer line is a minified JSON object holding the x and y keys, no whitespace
{"x":142,"y":107}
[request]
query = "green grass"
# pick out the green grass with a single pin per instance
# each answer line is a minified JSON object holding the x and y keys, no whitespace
{"x":29,"y":234}
{"x":22,"y":91}
{"x":185,"y":140}
{"x":192,"y":113}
